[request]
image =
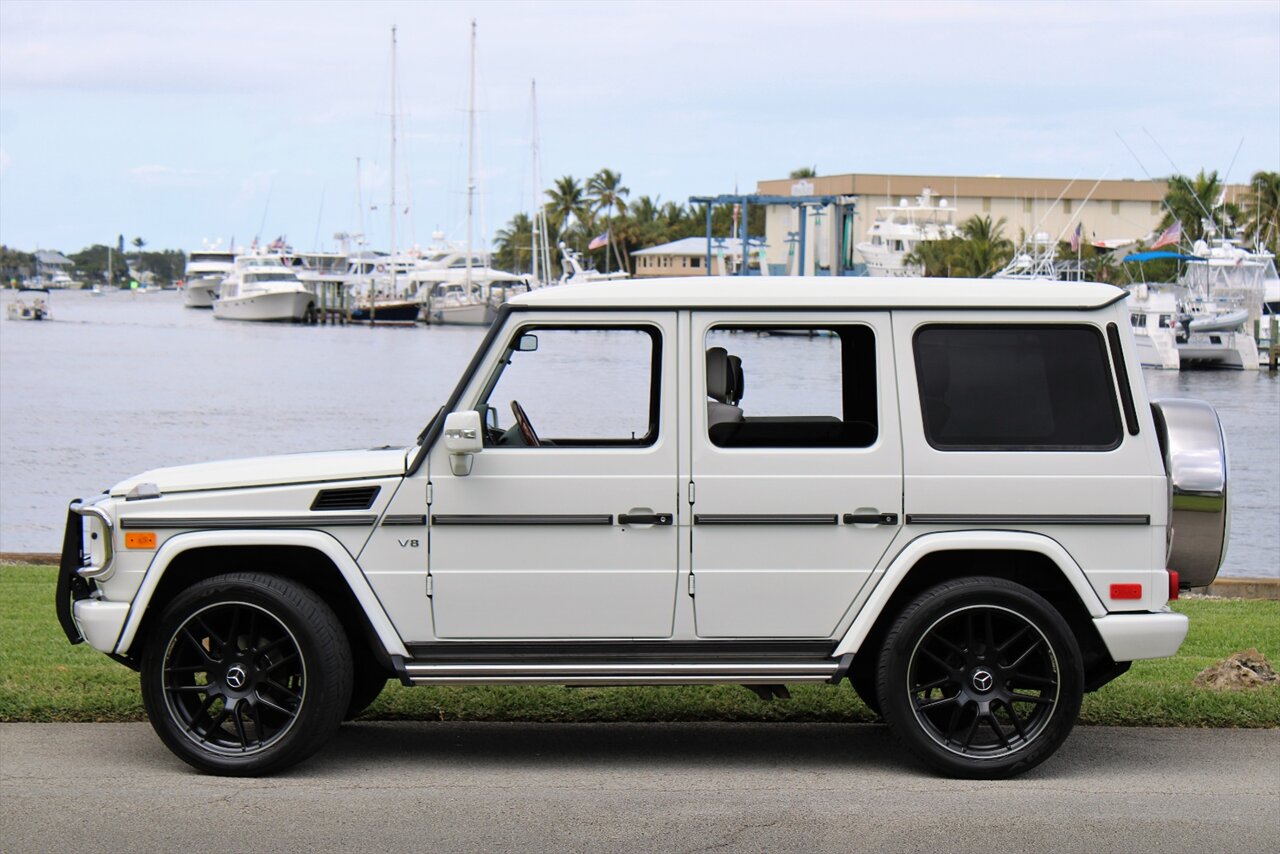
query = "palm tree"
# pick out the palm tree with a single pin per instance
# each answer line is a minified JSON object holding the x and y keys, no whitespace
{"x":1192,"y":201}
{"x":513,"y":244}
{"x":1262,"y":209}
{"x":985,"y":249}
{"x":568,"y":203}
{"x":804,"y":172}
{"x":607,"y":194}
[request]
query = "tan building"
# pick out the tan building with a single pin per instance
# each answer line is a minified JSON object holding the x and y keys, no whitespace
{"x":1111,"y":212}
{"x":688,"y":257}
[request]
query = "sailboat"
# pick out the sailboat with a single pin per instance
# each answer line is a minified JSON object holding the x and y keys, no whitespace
{"x":473,"y":298}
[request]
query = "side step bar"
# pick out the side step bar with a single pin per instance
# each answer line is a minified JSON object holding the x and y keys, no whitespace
{"x":605,"y":673}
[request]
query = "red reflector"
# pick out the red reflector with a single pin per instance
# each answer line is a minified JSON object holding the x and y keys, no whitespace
{"x":1126,"y":591}
{"x":1173,"y":584}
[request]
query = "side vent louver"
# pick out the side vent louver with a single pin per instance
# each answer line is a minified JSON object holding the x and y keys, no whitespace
{"x":355,"y":498}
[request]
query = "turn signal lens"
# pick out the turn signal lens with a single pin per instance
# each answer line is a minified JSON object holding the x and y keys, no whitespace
{"x":1173,"y":584}
{"x":140,"y":540}
{"x":1126,"y":591}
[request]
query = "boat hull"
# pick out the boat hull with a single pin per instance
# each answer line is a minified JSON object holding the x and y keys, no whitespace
{"x":389,"y":311}
{"x":465,"y":314}
{"x":199,"y":293}
{"x":278,"y":307}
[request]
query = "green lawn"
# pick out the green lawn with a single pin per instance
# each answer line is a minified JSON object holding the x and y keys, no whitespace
{"x":43,"y":678}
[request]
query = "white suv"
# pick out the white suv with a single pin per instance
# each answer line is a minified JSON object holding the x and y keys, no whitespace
{"x":953,"y":493}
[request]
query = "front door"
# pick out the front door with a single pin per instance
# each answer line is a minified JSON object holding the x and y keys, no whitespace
{"x":565,"y":526}
{"x":796,"y":466}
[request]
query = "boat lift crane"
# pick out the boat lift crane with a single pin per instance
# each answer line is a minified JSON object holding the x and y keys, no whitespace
{"x":846,"y":207}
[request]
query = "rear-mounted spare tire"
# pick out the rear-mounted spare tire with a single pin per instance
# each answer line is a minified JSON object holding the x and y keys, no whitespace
{"x":1195,"y":459}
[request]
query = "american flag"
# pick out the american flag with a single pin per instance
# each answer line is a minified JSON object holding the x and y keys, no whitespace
{"x":1075,"y":237}
{"x":599,"y":241}
{"x":1169,"y":236}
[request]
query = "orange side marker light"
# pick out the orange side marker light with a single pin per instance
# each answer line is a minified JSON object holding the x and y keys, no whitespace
{"x":140,"y":540}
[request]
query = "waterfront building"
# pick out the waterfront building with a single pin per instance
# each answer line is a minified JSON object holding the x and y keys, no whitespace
{"x":688,"y":257}
{"x":1111,"y":212}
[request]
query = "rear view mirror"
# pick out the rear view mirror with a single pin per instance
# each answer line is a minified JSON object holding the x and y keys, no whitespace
{"x":527,"y":343}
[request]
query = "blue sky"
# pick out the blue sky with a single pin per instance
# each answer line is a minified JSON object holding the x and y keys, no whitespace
{"x":178,"y":122}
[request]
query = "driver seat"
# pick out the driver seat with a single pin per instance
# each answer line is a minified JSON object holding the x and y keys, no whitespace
{"x":721,"y":389}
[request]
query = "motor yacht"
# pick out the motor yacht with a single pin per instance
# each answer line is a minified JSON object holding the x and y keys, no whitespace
{"x":205,"y":271}
{"x":264,"y":288}
{"x":899,"y":229}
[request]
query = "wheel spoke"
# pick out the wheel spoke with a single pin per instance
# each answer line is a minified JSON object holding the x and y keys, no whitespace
{"x":215,"y":724}
{"x":1028,"y":678}
{"x":187,"y":689}
{"x":213,"y":636}
{"x":924,"y":707}
{"x":991,"y":631}
{"x":929,"y":686}
{"x":1018,"y":661}
{"x":273,"y":705}
{"x":198,"y":644}
{"x":973,"y":730}
{"x":236,"y":717}
{"x":1012,"y":639}
{"x":1015,"y":720}
{"x":994,"y":723}
{"x":276,"y":665}
{"x":954,"y":724}
{"x":1027,"y":698}
{"x":283,"y":690}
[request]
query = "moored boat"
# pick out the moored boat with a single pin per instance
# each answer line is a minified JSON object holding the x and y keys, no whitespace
{"x":30,"y":304}
{"x":263,"y":288}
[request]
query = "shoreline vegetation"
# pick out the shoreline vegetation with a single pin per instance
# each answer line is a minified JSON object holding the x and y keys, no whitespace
{"x":45,"y":679}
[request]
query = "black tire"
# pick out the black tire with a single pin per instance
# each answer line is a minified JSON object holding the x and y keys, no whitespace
{"x":367,"y":684}
{"x":980,"y":678}
{"x":246,"y":674}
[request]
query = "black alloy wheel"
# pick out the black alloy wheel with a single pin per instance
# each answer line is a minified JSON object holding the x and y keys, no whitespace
{"x":246,"y":674}
{"x":980,"y":678}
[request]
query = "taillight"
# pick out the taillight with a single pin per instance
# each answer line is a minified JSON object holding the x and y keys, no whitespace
{"x":1173,"y":584}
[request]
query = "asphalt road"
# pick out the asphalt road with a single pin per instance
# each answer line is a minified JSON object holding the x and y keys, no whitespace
{"x":383,"y":787}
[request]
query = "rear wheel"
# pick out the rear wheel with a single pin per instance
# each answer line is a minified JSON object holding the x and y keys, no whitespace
{"x":246,"y":674}
{"x":980,"y":678}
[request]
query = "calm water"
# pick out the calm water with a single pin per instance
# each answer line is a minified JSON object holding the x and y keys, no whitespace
{"x":122,"y":383}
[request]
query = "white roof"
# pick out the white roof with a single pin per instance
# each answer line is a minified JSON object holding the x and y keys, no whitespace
{"x":822,"y":292}
{"x":695,"y":246}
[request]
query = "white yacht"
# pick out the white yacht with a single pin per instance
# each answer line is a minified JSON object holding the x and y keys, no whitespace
{"x":264,"y":288}
{"x":205,"y":271}
{"x":1152,"y":314}
{"x":1037,"y":260}
{"x":1226,"y":289}
{"x":898,"y":229}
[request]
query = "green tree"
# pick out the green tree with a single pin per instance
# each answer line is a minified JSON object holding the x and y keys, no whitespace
{"x":1262,"y":210}
{"x":91,"y":264}
{"x":804,"y":172}
{"x":606,"y":193}
{"x":513,"y":244}
{"x":985,"y":249}
{"x":16,"y":265}
{"x":1192,"y":201}
{"x":569,"y":210}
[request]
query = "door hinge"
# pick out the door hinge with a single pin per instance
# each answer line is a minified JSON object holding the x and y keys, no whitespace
{"x":430,"y":493}
{"x":691,"y":584}
{"x":430,"y":587}
{"x":692,"y":492}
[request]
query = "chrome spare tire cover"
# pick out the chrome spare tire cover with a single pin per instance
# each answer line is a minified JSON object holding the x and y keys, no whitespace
{"x":1195,"y":458}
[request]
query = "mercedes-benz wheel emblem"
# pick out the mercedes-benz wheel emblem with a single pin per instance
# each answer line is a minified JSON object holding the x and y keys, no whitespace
{"x":237,"y":676}
{"x":982,"y":680}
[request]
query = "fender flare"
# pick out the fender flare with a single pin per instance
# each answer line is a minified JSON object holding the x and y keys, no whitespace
{"x":317,"y":540}
{"x":886,"y":581}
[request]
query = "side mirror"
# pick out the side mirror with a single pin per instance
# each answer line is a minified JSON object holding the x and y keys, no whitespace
{"x":527,"y":343}
{"x":463,"y":436}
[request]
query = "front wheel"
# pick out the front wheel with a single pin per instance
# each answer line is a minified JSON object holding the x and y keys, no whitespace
{"x":980,"y":678}
{"x":246,"y":674}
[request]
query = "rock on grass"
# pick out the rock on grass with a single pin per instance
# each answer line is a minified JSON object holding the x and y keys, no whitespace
{"x":1248,"y":669}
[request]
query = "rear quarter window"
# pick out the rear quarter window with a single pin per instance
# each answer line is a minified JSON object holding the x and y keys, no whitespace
{"x":1016,"y":388}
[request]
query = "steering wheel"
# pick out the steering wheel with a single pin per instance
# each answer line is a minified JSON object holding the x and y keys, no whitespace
{"x":529,"y":437}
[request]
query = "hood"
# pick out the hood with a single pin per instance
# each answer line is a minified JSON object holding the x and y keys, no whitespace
{"x":272,"y":471}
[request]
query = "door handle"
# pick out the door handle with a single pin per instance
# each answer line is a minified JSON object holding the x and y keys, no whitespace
{"x":871,"y":518}
{"x":645,"y":518}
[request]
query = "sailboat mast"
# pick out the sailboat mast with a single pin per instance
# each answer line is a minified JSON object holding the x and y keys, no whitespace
{"x":471,"y":148}
{"x":392,"y":259}
{"x":541,"y":251}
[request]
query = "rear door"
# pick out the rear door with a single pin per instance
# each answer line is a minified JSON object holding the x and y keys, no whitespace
{"x":798,"y":497}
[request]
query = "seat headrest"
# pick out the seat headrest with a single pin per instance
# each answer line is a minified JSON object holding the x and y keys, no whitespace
{"x":719,"y":375}
{"x":739,"y":386}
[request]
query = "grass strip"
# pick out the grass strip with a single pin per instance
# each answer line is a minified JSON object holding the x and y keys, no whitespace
{"x":43,"y":678}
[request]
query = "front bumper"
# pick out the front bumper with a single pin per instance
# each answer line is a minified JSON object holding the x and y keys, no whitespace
{"x":1132,"y":637}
